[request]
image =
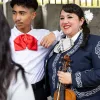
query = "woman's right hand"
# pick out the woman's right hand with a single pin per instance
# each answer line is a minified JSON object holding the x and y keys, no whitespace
{"x":64,"y":77}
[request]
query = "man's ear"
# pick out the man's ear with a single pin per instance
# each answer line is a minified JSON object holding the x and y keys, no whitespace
{"x":33,"y":14}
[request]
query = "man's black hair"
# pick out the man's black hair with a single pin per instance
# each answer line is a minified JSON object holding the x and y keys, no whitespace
{"x":26,"y":3}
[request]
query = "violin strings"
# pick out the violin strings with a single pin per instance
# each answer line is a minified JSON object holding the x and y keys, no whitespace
{"x":58,"y":91}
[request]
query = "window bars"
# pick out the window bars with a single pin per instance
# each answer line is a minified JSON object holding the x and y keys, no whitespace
{"x":83,"y":3}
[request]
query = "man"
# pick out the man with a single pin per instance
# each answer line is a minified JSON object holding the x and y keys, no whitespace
{"x":26,"y":44}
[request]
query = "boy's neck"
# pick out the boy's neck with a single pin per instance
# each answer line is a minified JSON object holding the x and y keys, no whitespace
{"x":24,"y":30}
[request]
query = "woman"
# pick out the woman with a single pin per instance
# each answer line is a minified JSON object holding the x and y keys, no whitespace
{"x":83,"y":75}
{"x":13,"y":84}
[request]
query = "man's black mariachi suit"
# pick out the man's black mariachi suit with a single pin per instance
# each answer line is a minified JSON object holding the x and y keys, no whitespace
{"x":85,"y":68}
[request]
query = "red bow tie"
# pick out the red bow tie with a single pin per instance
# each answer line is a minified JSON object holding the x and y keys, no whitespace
{"x":25,"y":40}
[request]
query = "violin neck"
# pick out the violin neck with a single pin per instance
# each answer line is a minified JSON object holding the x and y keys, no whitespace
{"x":62,"y":92}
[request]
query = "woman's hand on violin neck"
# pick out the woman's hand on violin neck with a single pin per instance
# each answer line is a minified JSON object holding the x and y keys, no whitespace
{"x":64,"y":77}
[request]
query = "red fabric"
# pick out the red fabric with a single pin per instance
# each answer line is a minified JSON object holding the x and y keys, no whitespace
{"x":25,"y":40}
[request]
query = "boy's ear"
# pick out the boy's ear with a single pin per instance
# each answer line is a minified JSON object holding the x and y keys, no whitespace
{"x":33,"y":15}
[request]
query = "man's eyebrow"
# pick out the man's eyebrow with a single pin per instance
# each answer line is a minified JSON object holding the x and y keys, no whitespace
{"x":22,"y":11}
{"x":13,"y":11}
{"x":19,"y":11}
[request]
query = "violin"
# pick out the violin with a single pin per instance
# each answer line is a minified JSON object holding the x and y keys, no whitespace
{"x":63,"y":92}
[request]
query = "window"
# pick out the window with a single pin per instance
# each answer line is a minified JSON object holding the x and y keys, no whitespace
{"x":82,"y":3}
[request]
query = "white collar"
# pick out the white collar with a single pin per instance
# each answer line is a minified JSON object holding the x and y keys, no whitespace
{"x":75,"y":36}
{"x":66,"y":44}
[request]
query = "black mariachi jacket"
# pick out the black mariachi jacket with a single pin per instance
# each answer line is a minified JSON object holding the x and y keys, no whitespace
{"x":85,"y":69}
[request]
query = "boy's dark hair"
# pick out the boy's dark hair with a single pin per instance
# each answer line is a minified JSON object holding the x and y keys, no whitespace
{"x":26,"y":3}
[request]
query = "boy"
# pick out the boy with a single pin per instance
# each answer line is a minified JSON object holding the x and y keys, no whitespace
{"x":26,"y":44}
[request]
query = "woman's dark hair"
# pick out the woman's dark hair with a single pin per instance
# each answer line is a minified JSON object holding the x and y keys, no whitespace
{"x":26,"y":3}
{"x":73,"y":8}
{"x":7,"y":66}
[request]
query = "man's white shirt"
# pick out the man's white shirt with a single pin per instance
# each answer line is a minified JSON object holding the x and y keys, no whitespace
{"x":32,"y":61}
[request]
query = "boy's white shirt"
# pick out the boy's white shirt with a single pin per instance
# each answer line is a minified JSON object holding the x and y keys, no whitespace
{"x":32,"y":61}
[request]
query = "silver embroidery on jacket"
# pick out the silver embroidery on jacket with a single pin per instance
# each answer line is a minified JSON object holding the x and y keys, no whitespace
{"x":54,"y":69}
{"x":97,"y":49}
{"x":75,"y":48}
{"x":87,"y":93}
{"x":78,"y":79}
